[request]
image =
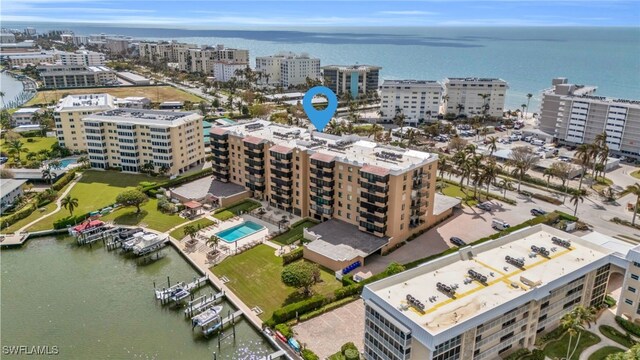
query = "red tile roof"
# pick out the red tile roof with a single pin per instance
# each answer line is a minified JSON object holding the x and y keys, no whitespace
{"x":376,"y":170}
{"x":193,"y":205}
{"x":323,"y":157}
{"x":253,"y":140}
{"x":218,"y":131}
{"x":281,"y":149}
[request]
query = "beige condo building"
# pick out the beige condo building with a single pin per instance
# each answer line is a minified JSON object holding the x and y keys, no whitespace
{"x":378,"y":193}
{"x":127,"y":139}
{"x":68,"y":115}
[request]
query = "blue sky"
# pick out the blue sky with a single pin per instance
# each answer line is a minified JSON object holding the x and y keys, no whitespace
{"x":298,"y":13}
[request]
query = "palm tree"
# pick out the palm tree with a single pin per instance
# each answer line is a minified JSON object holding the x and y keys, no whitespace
{"x":529,"y":96}
{"x":190,"y":231}
{"x":506,"y":184}
{"x":461,"y":160}
{"x":574,"y":322}
{"x":460,"y":108}
{"x":48,"y":175}
{"x":548,"y":173}
{"x":214,"y":241}
{"x":576,"y":198}
{"x":584,"y":155}
{"x":16,"y":148}
{"x":398,"y":120}
{"x":84,"y":160}
{"x":2,"y":94}
{"x":635,"y":190}
{"x":69,"y":203}
{"x":523,"y":106}
{"x":475,"y":164}
{"x":492,"y":144}
{"x":490,"y":173}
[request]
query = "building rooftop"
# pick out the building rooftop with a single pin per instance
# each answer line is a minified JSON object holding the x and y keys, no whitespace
{"x":411,"y":82}
{"x":146,"y":117}
{"x":200,"y":188}
{"x":27,"y":110}
{"x":473,"y":79}
{"x":442,"y":203}
{"x":86,"y":102}
{"x":8,"y":185}
{"x":342,"y":241}
{"x":356,"y":67}
{"x":350,"y":149}
{"x":505,"y":286}
{"x":131,"y":76}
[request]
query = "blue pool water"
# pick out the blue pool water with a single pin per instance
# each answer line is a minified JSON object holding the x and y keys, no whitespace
{"x":239,"y":231}
{"x":66,"y":162}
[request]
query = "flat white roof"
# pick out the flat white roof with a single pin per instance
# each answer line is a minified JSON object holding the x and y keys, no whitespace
{"x":8,"y":185}
{"x":505,"y":282}
{"x":26,"y":110}
{"x":88,"y":101}
{"x":147,"y":117}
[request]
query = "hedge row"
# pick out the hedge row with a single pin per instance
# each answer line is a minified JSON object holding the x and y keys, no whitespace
{"x":546,"y":198}
{"x":483,"y":192}
{"x":628,"y":325}
{"x":64,"y":180}
{"x":330,"y":306}
{"x":70,"y":220}
{"x":285,"y":330}
{"x":290,"y":311}
{"x":543,"y":183}
{"x":179,"y":180}
{"x":18,"y":215}
{"x":292,"y":256}
{"x":309,"y":355}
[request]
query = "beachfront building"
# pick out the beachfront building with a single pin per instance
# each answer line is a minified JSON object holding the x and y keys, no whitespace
{"x":166,"y":52}
{"x":288,"y":69}
{"x":11,"y":189}
{"x":369,"y":196}
{"x":71,"y":76}
{"x":117,"y":45}
{"x":573,"y":115}
{"x":488,"y":300}
{"x":7,"y":38}
{"x":474,"y":96}
{"x":133,"y":102}
{"x":21,"y":59}
{"x":417,"y":100}
{"x":351,"y":79}
{"x":82,"y":57}
{"x":68,"y":115}
{"x":223,"y":71}
{"x":24,"y":116}
{"x":204,"y":59}
{"x":127,"y":139}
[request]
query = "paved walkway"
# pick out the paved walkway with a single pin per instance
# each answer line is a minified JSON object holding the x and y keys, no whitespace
{"x":607,"y":318}
{"x":58,"y":204}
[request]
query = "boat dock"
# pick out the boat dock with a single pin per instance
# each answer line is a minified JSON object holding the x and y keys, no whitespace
{"x":98,"y":234}
{"x":179,"y":291}
{"x":202,"y":303}
{"x":274,"y":355}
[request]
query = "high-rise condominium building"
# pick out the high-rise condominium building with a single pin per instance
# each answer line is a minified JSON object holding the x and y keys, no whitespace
{"x":127,"y":139}
{"x":193,"y":58}
{"x":66,"y":76}
{"x":417,"y":100}
{"x":379,"y":194}
{"x":82,"y":57}
{"x":572,"y":114}
{"x":474,"y":96}
{"x":167,"y":52}
{"x":487,"y":300}
{"x":288,"y":69}
{"x":68,"y":115}
{"x":352,"y":79}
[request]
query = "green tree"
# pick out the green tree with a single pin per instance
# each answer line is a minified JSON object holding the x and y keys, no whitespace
{"x":574,"y":322}
{"x":635,"y":190}
{"x":190,"y":231}
{"x":522,"y":159}
{"x":213,"y":241}
{"x":492,"y":144}
{"x":69,"y":203}
{"x":632,"y":354}
{"x":132,"y":197}
{"x":562,"y":171}
{"x":576,"y":199}
{"x":16,"y":147}
{"x":529,"y":96}
{"x":301,"y":275}
{"x":48,"y":175}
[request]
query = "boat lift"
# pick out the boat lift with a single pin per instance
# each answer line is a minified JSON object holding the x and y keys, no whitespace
{"x":202,"y":303}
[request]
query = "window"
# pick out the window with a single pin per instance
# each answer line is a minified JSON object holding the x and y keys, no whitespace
{"x":628,"y":301}
{"x":632,"y":289}
{"x":635,"y":277}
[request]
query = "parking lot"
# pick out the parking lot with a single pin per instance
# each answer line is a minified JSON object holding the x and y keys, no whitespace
{"x":469,"y":224}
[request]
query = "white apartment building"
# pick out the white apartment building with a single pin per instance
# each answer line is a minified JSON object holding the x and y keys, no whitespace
{"x":127,"y":139}
{"x":7,"y":38}
{"x":418,"y":100}
{"x":80,"y":40}
{"x":487,"y":300}
{"x":10,"y":190}
{"x":354,"y":79}
{"x":24,"y":116}
{"x":68,"y":115}
{"x":224,"y":71}
{"x":474,"y":96}
{"x":573,"y":115}
{"x":169,"y":52}
{"x":288,"y":69}
{"x":32,"y":58}
{"x":68,"y":76}
{"x":82,"y":57}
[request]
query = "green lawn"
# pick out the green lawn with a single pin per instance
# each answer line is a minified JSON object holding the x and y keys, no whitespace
{"x":178,"y":233}
{"x":621,"y":338}
{"x":235,"y":209}
{"x":636,"y":174}
{"x":37,"y":144}
{"x":455,"y":191}
{"x":95,"y":190}
{"x":601,"y":354}
{"x":294,"y":234}
{"x":149,"y":216}
{"x":34,"y":215}
{"x":254,"y":276}
{"x":558,"y":349}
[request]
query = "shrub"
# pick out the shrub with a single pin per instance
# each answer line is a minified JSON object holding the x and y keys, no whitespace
{"x":347,"y":346}
{"x":345,"y":291}
{"x":546,"y":198}
{"x":70,"y":220}
{"x":611,"y":302}
{"x":147,"y":184}
{"x":516,"y":355}
{"x":289,"y":312}
{"x":292,"y":256}
{"x":64,"y":180}
{"x":18,"y":215}
{"x":330,"y":306}
{"x":285,"y":330}
{"x":223,"y":215}
{"x":628,"y":325}
{"x":179,"y":180}
{"x":537,"y":354}
{"x":309,"y":355}
{"x":351,"y":354}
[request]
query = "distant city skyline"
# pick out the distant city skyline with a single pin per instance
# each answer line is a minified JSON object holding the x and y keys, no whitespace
{"x":220,"y":14}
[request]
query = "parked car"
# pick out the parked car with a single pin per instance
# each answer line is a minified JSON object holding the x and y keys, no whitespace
{"x":3,"y":159}
{"x":537,"y":212}
{"x":486,"y":206}
{"x":499,"y":224}
{"x":457,"y":241}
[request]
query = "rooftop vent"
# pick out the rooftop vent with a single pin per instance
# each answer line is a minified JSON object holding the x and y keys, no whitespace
{"x":540,"y":250}
{"x":514,"y":261}
{"x":561,"y":242}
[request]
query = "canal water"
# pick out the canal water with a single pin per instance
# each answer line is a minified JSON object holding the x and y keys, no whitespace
{"x":11,"y":88}
{"x":95,"y":304}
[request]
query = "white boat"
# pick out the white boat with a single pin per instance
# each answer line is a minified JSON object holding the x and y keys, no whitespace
{"x":149,"y":242}
{"x":166,"y":293}
{"x":179,"y":295}
{"x":131,"y":242}
{"x":207,"y":317}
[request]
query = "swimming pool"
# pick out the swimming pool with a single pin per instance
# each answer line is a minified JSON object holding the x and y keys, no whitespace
{"x":64,"y":163}
{"x":238,"y":232}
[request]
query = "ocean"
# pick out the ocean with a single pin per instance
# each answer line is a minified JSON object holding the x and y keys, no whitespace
{"x":526,"y":57}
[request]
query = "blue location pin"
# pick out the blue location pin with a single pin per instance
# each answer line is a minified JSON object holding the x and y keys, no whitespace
{"x":320,"y":118}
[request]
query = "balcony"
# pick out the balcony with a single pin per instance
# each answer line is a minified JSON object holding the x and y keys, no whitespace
{"x":326,"y":185}
{"x":254,"y":154}
{"x":285,"y":184}
{"x":375,"y":191}
{"x":322,"y":174}
{"x":373,"y":201}
{"x":255,"y":187}
{"x":376,"y":232}
{"x":219,"y":146}
{"x":326,"y":195}
{"x":281,"y":164}
{"x":321,"y":209}
{"x":257,"y":172}
{"x":220,"y":169}
{"x":281,"y":200}
{"x":281,"y":174}
{"x":376,"y":220}
{"x":255,"y":179}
